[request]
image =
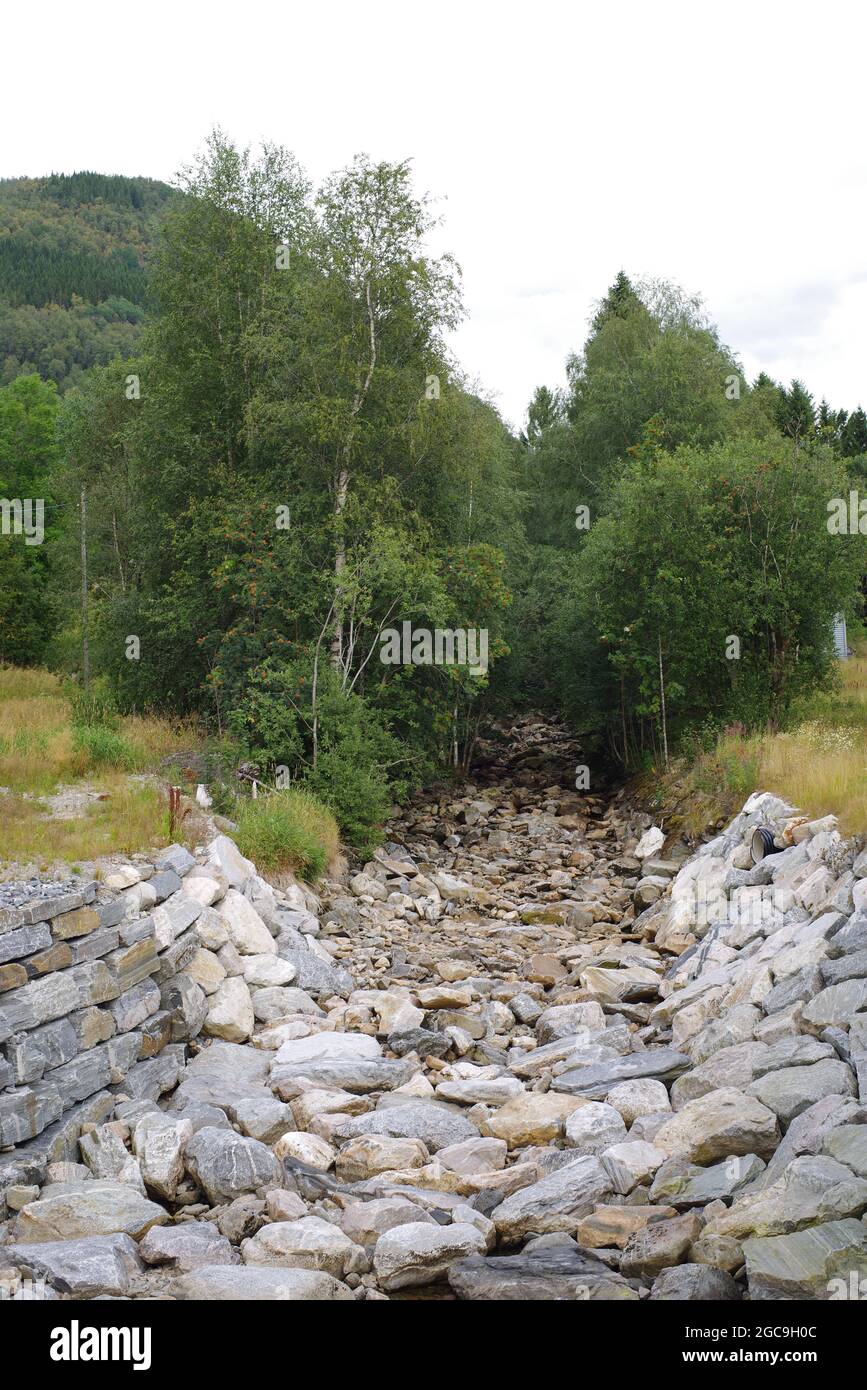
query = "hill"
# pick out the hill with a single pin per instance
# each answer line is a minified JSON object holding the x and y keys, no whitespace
{"x":73,"y":271}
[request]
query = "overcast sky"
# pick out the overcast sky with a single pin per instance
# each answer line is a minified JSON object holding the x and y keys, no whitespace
{"x":721,"y":146}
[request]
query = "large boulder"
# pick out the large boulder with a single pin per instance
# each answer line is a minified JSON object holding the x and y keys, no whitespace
{"x":67,"y":1211}
{"x":226,"y":1165}
{"x":821,"y":1262}
{"x":88,"y":1267}
{"x":310,"y":1243}
{"x":554,"y":1203}
{"x":419,"y":1253}
{"x":247,"y":932}
{"x":717,"y":1125}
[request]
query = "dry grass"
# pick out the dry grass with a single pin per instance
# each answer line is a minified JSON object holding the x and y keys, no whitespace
{"x":40,"y":753}
{"x":133,"y":816}
{"x":820,"y":765}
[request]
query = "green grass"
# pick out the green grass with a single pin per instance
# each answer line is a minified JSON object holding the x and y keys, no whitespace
{"x":288,"y":829}
{"x":105,"y":747}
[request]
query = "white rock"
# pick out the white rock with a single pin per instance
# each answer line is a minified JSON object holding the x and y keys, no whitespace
{"x":310,"y":1243}
{"x":247,"y":932}
{"x":230,"y":1011}
{"x":643,"y":1096}
{"x":594,"y":1128}
{"x":268,"y":970}
{"x":204,"y":889}
{"x":159,"y":1142}
{"x":306,"y":1148}
{"x":123,"y":876}
{"x":420,"y":1254}
{"x":631,"y":1163}
{"x":230,"y":861}
{"x":328,"y":1047}
{"x":650,"y":843}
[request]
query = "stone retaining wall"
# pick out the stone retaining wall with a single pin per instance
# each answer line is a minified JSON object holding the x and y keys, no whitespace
{"x":92,"y":1001}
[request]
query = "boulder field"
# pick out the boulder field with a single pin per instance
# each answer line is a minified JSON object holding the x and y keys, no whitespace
{"x":530,"y":1050}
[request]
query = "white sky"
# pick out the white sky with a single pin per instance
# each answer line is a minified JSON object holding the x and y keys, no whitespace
{"x":721,"y":146}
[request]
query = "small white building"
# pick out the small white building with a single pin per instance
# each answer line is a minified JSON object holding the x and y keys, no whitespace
{"x":840,"y":642}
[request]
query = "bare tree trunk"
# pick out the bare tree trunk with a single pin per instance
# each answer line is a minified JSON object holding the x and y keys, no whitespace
{"x":662,"y":701}
{"x":120,"y":572}
{"x":340,"y":494}
{"x":342,"y":485}
{"x":85,"y":635}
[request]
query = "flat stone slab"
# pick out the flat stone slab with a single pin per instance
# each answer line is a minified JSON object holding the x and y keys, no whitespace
{"x":435,"y":1124}
{"x":817,"y":1263}
{"x":559,"y":1272}
{"x":95,"y":1208}
{"x":555,"y":1203}
{"x":246,"y":1283}
{"x":595,"y":1082}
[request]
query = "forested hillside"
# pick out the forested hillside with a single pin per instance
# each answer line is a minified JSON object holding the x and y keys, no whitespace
{"x":73,"y":277}
{"x":291,"y":471}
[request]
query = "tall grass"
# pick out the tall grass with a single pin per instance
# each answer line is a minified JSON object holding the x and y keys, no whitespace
{"x":288,"y":829}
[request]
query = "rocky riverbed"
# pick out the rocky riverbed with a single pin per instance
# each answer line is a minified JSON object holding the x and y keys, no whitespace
{"x":529,"y":1051}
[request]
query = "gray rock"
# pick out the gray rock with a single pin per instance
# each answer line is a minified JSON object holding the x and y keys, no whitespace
{"x":810,"y":1190}
{"x":359,"y":1075}
{"x":132,"y":1008}
{"x":174,"y":917}
{"x":15,"y":945}
{"x":187,"y":1246}
{"x":852,"y":966}
{"x":595,"y":1082}
{"x":98,"y":944}
{"x":187,"y":1005}
{"x":848,"y":1144}
{"x":420,"y":1040}
{"x":850,"y":939}
{"x":226,"y":1165}
{"x":245,"y":1283}
{"x":94,"y":1208}
{"x":793,"y":990}
{"x":107,"y":1157}
{"x":225,"y":1074}
{"x":317,"y":976}
{"x":88,"y":1267}
{"x":159,"y":1141}
{"x":50,"y":1046}
{"x":265,"y":1120}
{"x":435,"y":1124}
{"x":310,"y":1243}
{"x":554,"y":1203}
{"x":26,"y":1112}
{"x":365,"y":1222}
{"x":164,"y":883}
{"x":420,"y":1253}
{"x":545,"y":1273}
{"x":150,"y":1080}
{"x":695,"y":1283}
{"x":806,"y":1264}
{"x":793,"y":1089}
{"x":834,"y":1006}
{"x":808,"y":1131}
{"x":178,"y":858}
